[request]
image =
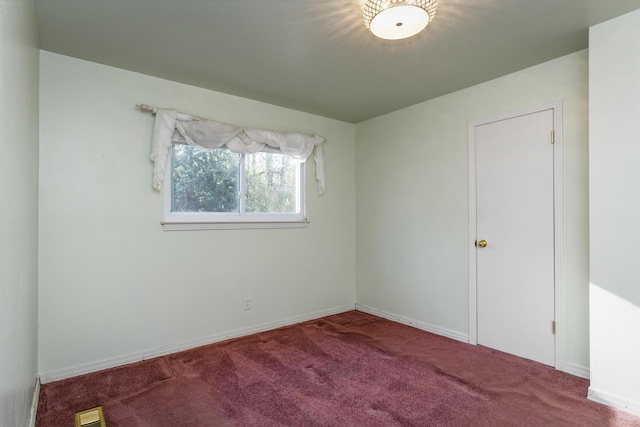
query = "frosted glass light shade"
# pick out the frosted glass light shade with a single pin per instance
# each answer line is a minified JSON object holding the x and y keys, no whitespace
{"x":398,"y":19}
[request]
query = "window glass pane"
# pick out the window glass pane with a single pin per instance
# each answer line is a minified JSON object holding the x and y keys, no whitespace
{"x":271,"y":183}
{"x":204,"y":180}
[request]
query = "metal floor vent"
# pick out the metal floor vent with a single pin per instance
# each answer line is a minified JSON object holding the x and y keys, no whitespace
{"x":93,"y":417}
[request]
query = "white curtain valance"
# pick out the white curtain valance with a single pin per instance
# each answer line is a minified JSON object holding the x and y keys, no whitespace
{"x":172,"y":126}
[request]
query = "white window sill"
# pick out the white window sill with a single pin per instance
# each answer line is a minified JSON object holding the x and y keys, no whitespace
{"x":193,"y":226}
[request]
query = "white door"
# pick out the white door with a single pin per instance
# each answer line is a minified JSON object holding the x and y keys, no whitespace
{"x":515,"y":216}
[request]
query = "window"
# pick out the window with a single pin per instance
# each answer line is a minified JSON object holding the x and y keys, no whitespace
{"x":220,"y":186}
{"x":218,"y":175}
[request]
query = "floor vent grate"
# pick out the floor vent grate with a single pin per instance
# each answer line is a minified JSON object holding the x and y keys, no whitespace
{"x":93,"y":417}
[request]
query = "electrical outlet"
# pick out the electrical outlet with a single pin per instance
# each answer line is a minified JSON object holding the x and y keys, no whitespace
{"x":247,"y":303}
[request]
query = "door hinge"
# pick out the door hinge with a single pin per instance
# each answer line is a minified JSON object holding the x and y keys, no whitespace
{"x":553,"y":327}
{"x":553,"y":136}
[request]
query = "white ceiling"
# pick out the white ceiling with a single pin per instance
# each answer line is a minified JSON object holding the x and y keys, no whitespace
{"x":316,"y":55}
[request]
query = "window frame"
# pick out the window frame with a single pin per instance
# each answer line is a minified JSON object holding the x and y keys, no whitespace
{"x":232,"y":220}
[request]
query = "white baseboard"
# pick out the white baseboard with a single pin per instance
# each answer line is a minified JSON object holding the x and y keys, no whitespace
{"x":34,"y":404}
{"x":458,"y":336}
{"x":113,"y":362}
{"x":577,"y":370}
{"x":614,"y":401}
{"x":570,"y":368}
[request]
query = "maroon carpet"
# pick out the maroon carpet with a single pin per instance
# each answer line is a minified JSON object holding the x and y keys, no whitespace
{"x":350,"y":369}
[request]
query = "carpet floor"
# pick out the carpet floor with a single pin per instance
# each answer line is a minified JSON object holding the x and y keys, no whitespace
{"x":351,"y":369}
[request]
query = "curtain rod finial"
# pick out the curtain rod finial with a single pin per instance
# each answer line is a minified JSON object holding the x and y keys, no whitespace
{"x":145,"y":107}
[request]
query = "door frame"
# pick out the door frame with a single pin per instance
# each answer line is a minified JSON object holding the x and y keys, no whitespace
{"x":558,"y":221}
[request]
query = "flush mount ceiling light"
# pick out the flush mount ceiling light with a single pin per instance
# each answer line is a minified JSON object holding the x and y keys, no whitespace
{"x":398,"y":19}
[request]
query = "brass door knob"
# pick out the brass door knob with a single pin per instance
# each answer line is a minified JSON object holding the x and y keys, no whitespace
{"x":481,"y":243}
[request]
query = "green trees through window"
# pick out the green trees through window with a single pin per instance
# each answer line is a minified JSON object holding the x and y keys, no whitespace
{"x":203,"y":180}
{"x":225,"y":182}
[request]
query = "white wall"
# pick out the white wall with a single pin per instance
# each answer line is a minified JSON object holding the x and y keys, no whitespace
{"x":112,"y":283}
{"x":412,"y":200}
{"x":614,"y":90}
{"x":18,"y":216}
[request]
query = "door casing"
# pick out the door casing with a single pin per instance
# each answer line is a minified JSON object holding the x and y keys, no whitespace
{"x":557,"y":219}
